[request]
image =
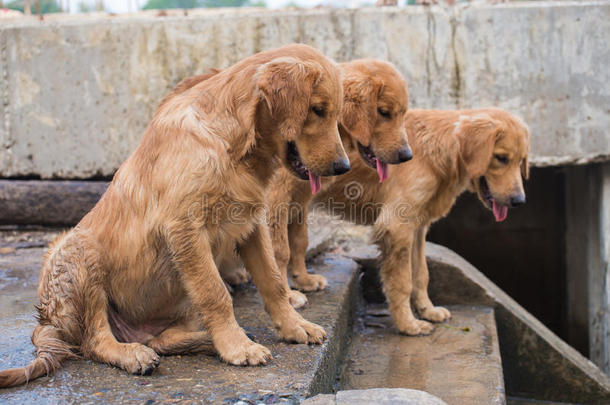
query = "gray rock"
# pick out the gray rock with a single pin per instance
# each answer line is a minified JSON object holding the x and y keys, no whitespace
{"x":377,"y":396}
{"x":321,"y":399}
{"x":387,"y":396}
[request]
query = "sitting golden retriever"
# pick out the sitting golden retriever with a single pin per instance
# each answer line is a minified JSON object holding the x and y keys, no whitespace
{"x":485,"y":151}
{"x":375,"y":103}
{"x":137,"y":277}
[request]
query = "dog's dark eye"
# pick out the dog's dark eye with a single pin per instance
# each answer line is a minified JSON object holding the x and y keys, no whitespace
{"x":319,"y":110}
{"x":384,"y":113}
{"x":502,"y":159}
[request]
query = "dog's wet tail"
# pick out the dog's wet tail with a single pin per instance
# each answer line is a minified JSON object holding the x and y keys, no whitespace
{"x":50,"y":352}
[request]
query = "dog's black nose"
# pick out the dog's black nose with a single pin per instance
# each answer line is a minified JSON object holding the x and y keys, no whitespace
{"x":340,"y":166}
{"x":517,"y":200}
{"x":405,"y":154}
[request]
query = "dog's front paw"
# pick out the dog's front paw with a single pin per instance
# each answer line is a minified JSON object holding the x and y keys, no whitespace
{"x":416,"y":327}
{"x":297,"y":299}
{"x":247,"y":354}
{"x":140,"y":360}
{"x":435,"y":314}
{"x":302,"y":331}
{"x":309,"y":282}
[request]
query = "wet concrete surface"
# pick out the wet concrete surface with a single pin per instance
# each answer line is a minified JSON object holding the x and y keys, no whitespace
{"x":459,"y":362}
{"x":295,"y":372}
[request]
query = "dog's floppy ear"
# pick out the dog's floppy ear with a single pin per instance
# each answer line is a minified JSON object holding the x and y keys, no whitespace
{"x":477,"y":136}
{"x":525,"y":165}
{"x":286,"y":84}
{"x":347,"y":139}
{"x":525,"y":168}
{"x":359,"y":112}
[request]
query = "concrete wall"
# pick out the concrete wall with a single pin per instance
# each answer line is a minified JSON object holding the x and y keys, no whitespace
{"x":588,"y":255}
{"x":78,"y":92}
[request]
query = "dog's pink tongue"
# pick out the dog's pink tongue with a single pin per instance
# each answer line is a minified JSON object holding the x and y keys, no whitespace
{"x":500,"y":211}
{"x":315,"y":182}
{"x":382,"y":170}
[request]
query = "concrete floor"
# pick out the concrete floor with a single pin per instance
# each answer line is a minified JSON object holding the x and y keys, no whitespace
{"x":290,"y":376}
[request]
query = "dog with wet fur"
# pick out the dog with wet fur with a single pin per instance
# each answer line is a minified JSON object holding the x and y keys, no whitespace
{"x":482,"y":150}
{"x":137,"y":277}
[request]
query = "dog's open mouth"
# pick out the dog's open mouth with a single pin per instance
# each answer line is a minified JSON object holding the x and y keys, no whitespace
{"x":299,"y":169}
{"x":500,"y":210}
{"x":372,"y":160}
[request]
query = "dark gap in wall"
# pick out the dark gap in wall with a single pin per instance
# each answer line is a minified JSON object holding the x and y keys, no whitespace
{"x":525,"y":254}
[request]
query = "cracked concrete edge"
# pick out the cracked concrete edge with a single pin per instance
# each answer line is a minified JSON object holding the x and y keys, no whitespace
{"x":380,"y":396}
{"x":537,"y":363}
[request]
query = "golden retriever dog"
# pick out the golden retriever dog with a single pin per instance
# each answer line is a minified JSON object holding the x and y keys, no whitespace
{"x":375,"y":102}
{"x":484,"y":151}
{"x":137,"y":277}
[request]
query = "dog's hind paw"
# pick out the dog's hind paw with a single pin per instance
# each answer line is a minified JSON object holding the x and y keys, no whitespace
{"x":297,"y":299}
{"x":416,"y":327}
{"x":235,"y":276}
{"x":309,"y":282}
{"x":435,"y":314}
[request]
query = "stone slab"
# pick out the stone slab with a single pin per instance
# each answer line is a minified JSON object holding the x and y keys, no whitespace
{"x":295,"y":372}
{"x":459,"y":362}
{"x":378,"y":396}
{"x":77,"y":93}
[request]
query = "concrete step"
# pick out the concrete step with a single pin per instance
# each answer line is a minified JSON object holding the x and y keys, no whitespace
{"x":296,"y":371}
{"x":459,"y":362}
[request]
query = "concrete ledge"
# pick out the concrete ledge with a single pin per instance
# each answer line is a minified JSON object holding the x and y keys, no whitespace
{"x":537,"y":364}
{"x":78,"y":93}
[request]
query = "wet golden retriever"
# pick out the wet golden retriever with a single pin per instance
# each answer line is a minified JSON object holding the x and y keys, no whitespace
{"x":485,"y":151}
{"x":375,"y":103}
{"x":137,"y":277}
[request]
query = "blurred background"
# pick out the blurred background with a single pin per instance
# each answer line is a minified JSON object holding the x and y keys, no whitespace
{"x":130,"y":6}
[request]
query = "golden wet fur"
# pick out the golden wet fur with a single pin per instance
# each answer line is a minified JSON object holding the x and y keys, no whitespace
{"x":137,"y":277}
{"x":452,"y":152}
{"x":374,"y":111}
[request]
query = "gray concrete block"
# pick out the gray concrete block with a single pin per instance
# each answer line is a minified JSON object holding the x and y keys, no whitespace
{"x":378,"y":396}
{"x":545,"y":61}
{"x":77,"y":93}
{"x":387,"y":396}
{"x":321,"y":399}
